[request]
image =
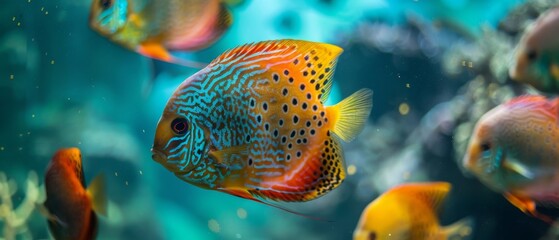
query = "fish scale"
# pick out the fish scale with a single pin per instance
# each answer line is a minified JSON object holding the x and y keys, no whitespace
{"x":267,"y":119}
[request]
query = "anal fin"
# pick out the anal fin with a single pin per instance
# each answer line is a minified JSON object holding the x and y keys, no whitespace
{"x":518,"y":168}
{"x":157,"y":51}
{"x":222,"y":155}
{"x":527,"y":206}
{"x":243,"y":193}
{"x":43,"y":210}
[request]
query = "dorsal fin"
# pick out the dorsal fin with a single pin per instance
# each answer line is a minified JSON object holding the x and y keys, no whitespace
{"x":541,"y":104}
{"x":308,"y":62}
{"x":433,"y":193}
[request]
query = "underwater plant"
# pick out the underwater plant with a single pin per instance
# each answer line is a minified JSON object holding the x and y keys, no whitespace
{"x":14,"y":219}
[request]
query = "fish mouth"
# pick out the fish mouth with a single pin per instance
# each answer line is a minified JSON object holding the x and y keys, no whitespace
{"x":515,"y":73}
{"x":158,"y":156}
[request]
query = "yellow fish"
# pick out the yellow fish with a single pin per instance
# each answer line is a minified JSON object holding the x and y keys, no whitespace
{"x":253,"y":123}
{"x":409,"y":212}
{"x":537,"y":54}
{"x":70,"y":207}
{"x":514,"y":150}
{"x":153,"y":27}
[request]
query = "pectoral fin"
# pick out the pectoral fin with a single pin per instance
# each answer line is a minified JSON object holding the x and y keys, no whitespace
{"x":244,"y":193}
{"x":518,"y":168}
{"x":155,"y":50}
{"x":50,"y":216}
{"x":158,"y":51}
{"x":222,"y":155}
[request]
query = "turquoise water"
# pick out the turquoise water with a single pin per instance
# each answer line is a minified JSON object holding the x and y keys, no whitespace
{"x":63,"y":85}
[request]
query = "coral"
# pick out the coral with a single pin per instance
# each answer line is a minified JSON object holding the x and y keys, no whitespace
{"x":14,"y":219}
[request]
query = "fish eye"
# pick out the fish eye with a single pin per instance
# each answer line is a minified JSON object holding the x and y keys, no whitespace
{"x":179,"y":126}
{"x":105,"y":3}
{"x":485,"y":146}
{"x":532,"y":55}
{"x":372,"y":236}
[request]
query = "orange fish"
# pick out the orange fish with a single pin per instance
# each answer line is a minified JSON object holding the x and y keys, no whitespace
{"x":70,"y":207}
{"x":409,"y":212}
{"x":253,"y":123}
{"x":153,"y":27}
{"x":514,"y":150}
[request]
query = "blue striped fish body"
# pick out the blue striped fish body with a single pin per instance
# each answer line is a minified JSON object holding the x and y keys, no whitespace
{"x":253,"y":123}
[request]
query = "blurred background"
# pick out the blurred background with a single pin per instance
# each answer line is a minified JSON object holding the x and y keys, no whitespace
{"x":434,"y":66}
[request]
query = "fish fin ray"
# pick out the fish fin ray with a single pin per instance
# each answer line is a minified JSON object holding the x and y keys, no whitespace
{"x":243,"y":193}
{"x":233,"y":3}
{"x":159,"y":52}
{"x":518,"y":168}
{"x":433,"y":193}
{"x":461,"y":230}
{"x":155,"y":50}
{"x":311,"y":181}
{"x":527,"y":206}
{"x":43,"y":210}
{"x":225,"y":18}
{"x":97,"y":193}
{"x":352,"y":113}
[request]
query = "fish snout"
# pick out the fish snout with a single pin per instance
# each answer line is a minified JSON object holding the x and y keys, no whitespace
{"x":517,"y":66}
{"x":158,"y":156}
{"x":513,"y":72}
{"x":467,"y":162}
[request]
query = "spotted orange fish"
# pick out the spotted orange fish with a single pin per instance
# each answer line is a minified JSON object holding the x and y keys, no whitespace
{"x":70,"y":207}
{"x":253,"y":123}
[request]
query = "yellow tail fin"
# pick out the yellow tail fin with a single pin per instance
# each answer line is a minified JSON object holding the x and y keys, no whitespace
{"x":96,"y":191}
{"x":352,"y":114}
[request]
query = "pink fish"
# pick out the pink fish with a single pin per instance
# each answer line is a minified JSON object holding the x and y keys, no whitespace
{"x":515,"y":151}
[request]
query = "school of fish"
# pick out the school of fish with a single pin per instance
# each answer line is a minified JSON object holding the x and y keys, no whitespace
{"x":253,"y":123}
